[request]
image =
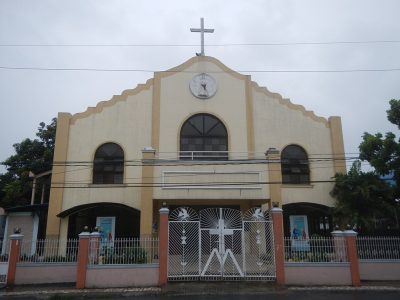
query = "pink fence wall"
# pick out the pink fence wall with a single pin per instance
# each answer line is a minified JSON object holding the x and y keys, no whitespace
{"x":380,"y":270}
{"x":317,"y":274}
{"x":122,"y":276}
{"x":45,"y":273}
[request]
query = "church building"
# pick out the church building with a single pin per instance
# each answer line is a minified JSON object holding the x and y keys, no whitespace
{"x":199,"y":135}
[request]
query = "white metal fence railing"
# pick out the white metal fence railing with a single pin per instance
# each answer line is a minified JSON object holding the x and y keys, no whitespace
{"x":124,"y":251}
{"x":315,"y":250}
{"x":378,"y":248}
{"x":4,"y":248}
{"x":49,"y":251}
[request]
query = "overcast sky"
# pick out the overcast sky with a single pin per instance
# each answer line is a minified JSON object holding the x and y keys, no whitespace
{"x":28,"y":97}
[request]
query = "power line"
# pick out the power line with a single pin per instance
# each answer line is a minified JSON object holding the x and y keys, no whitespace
{"x":89,"y":181}
{"x":128,"y":179}
{"x":208,"y":45}
{"x":89,"y":166}
{"x":172,"y":71}
{"x":158,"y":162}
{"x":311,"y":156}
{"x":183,"y":184}
{"x":179,"y":162}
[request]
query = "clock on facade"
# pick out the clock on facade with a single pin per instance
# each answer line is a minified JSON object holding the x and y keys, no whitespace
{"x":203,"y":86}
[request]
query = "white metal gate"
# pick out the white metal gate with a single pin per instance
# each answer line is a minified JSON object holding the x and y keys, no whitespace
{"x":220,"y":244}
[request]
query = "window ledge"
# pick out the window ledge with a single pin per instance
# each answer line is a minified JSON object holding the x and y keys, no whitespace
{"x":300,"y":186}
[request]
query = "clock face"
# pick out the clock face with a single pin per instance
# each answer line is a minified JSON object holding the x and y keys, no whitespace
{"x":203,"y":86}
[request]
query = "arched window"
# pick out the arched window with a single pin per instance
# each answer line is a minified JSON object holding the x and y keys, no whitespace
{"x":204,"y":137}
{"x":295,"y":169}
{"x":108,"y":164}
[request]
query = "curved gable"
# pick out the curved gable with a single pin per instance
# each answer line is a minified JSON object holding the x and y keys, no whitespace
{"x":115,"y":99}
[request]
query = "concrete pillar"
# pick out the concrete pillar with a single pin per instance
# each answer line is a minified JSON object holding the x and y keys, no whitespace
{"x":33,"y":189}
{"x":146,"y":211}
{"x":163,"y":246}
{"x":13,"y":258}
{"x":58,"y":176}
{"x":339,"y":244}
{"x":352,"y":255}
{"x":83,"y":258}
{"x":277,"y":221}
{"x":275,"y":176}
{"x":94,"y":247}
{"x":339,"y":159}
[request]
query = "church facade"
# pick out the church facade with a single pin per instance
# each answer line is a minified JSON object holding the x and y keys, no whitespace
{"x":198,"y":135}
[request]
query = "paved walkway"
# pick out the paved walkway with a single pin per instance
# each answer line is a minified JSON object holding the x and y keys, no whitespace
{"x":181,"y":289}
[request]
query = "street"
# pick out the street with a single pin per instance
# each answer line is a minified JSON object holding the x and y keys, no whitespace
{"x":284,"y":294}
{"x":326,"y":295}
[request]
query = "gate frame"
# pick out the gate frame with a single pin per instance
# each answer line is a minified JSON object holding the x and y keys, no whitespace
{"x":268,"y":220}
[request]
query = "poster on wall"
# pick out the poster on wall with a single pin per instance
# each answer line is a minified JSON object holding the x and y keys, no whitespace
{"x":299,"y":233}
{"x":106,"y":227}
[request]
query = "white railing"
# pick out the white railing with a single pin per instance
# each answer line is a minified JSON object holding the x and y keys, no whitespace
{"x":4,"y":249}
{"x":124,"y":251}
{"x":237,"y":155}
{"x":315,"y":250}
{"x":378,"y":248}
{"x":204,"y":155}
{"x":49,"y":251}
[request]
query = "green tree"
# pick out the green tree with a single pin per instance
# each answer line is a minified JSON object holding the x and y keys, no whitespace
{"x":383,"y":152}
{"x":362,"y":198}
{"x":30,"y":155}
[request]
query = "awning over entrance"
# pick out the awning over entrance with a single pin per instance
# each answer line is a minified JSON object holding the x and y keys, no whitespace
{"x":83,"y":207}
{"x":114,"y":219}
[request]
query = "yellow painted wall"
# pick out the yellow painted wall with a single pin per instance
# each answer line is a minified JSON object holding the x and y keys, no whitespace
{"x":223,"y":174}
{"x":152,"y":114}
{"x":127,"y":123}
{"x":279,"y":123}
{"x":177,"y":104}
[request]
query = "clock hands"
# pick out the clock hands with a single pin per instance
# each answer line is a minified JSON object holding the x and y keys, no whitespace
{"x":203,"y":88}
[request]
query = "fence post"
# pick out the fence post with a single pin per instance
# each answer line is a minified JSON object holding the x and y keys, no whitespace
{"x":339,"y":246}
{"x":163,"y":246}
{"x":13,"y":258}
{"x":94,"y":247}
{"x":277,"y":220}
{"x":352,"y":255}
{"x":83,"y":255}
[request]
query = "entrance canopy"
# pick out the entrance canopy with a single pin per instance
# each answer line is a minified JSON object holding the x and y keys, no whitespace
{"x":115,"y":220}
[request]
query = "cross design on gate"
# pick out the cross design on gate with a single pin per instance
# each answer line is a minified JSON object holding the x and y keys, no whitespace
{"x":221,"y":231}
{"x":221,"y":253}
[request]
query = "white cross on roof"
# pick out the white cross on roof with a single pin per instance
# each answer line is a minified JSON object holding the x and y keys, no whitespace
{"x":202,"y":30}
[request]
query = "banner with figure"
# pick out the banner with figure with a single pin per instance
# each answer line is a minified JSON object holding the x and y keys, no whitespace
{"x":106,"y":227}
{"x":299,"y":233}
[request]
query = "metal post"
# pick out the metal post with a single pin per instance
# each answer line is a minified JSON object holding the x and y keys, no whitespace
{"x":33,"y":191}
{"x":163,"y":246}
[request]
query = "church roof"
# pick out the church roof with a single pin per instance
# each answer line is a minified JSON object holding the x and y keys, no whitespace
{"x":181,"y":68}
